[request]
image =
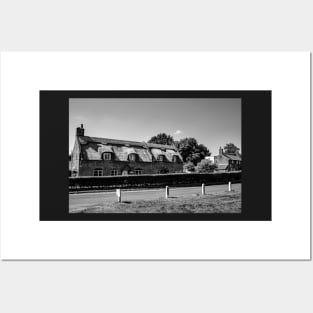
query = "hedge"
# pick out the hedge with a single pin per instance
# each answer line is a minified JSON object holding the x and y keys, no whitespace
{"x":151,"y":181}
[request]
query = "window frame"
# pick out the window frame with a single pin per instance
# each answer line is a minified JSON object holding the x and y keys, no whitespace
{"x":176,"y":159}
{"x":104,"y":154}
{"x":114,"y":171}
{"x":161,"y":158}
{"x":133,"y":157}
{"x":98,"y":170}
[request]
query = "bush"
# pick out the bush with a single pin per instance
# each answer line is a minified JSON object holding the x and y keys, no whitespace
{"x":189,"y":167}
{"x":151,"y":181}
{"x":205,"y":166}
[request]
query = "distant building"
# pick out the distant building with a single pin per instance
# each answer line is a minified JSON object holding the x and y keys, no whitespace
{"x":227,"y":162}
{"x":94,"y":156}
{"x":211,"y":158}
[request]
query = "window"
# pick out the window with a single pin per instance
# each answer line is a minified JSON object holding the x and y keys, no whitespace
{"x":161,"y":158}
{"x":138,"y":171}
{"x":133,"y":157}
{"x":114,"y":172}
{"x":106,"y":156}
{"x":98,"y":172}
{"x":175,"y":159}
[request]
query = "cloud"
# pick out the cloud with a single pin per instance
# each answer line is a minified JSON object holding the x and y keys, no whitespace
{"x":178,"y":132}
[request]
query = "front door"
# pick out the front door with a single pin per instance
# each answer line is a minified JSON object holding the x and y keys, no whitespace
{"x":125,"y":172}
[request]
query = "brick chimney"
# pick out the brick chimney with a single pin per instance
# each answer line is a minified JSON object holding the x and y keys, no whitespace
{"x":80,"y":131}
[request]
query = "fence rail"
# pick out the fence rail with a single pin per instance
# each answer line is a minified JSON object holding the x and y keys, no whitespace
{"x":91,"y":183}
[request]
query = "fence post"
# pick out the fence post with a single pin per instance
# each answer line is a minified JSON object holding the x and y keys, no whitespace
{"x":229,"y":186}
{"x":119,"y":195}
{"x":167,"y":192}
{"x":203,"y":189}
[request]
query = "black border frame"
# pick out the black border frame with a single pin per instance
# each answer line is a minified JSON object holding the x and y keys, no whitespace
{"x":256,"y":150}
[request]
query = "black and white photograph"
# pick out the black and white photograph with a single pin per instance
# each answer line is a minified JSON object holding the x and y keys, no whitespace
{"x":155,"y":155}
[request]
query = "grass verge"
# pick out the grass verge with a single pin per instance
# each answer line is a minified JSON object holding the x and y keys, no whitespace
{"x":226,"y":202}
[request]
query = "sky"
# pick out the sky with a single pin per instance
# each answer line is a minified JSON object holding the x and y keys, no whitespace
{"x":213,"y":122}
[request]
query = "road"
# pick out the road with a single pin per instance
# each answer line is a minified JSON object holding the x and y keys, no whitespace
{"x":82,"y":200}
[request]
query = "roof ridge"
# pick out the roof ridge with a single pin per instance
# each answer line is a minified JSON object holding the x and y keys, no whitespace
{"x":159,"y":144}
{"x":99,"y":139}
{"x":122,"y":141}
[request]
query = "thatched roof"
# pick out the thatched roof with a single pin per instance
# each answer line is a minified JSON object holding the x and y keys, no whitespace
{"x":171,"y":153}
{"x":93,"y":147}
{"x":122,"y":153}
{"x":158,"y":146}
{"x":157,"y":152}
{"x":105,"y":141}
{"x":168,"y":153}
{"x":103,"y":148}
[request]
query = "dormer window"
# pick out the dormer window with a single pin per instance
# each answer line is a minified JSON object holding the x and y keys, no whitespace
{"x":107,"y":156}
{"x":132,"y":157}
{"x":176,"y":159}
{"x":161,"y":158}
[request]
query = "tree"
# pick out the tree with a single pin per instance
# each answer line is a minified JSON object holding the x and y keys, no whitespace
{"x":191,"y":151}
{"x":230,"y":148}
{"x":189,"y":167}
{"x":162,"y":139}
{"x":206,"y":166}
